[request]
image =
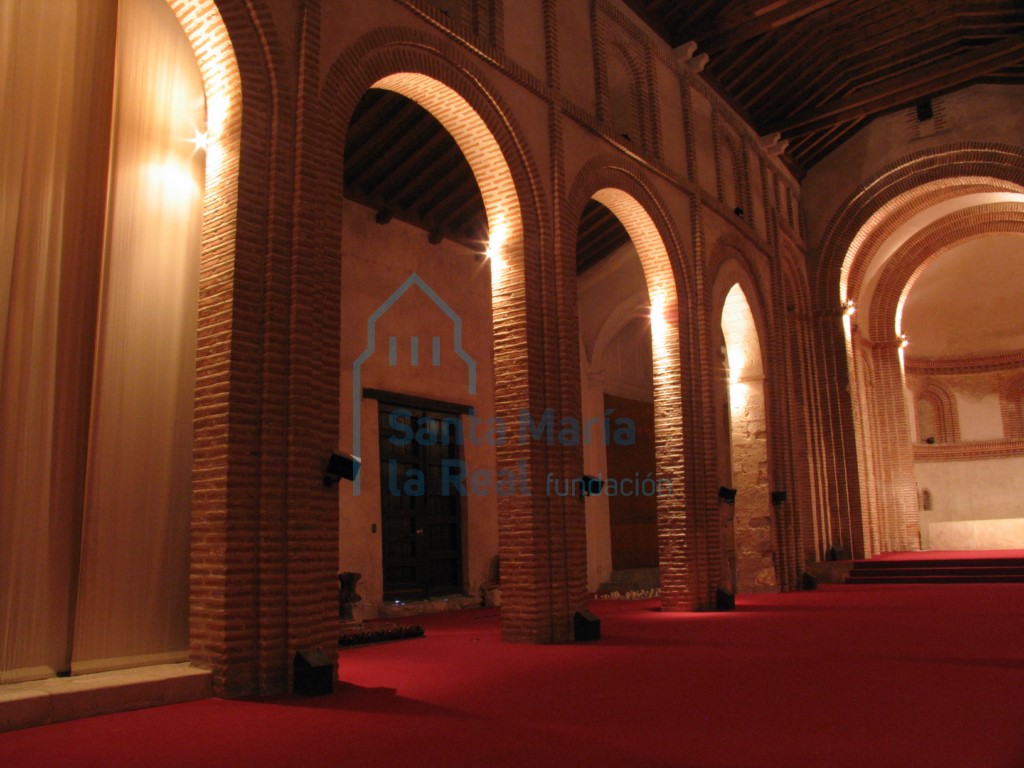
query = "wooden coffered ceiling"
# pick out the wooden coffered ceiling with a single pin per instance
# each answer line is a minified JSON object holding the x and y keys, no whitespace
{"x":813,"y":70}
{"x":817,"y":70}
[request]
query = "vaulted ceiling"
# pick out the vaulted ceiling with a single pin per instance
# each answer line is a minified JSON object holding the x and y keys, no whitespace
{"x":813,"y":70}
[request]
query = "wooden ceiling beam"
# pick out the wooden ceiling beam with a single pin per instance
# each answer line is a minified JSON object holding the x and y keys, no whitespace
{"x":718,"y":40}
{"x":845,"y":67}
{"x":832,"y":141}
{"x":416,"y":163}
{"x":898,"y":91}
{"x":439,"y":174}
{"x":813,"y":63}
{"x":767,"y":83}
{"x":362,"y":154}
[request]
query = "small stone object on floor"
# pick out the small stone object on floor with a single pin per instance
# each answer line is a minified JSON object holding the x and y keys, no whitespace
{"x":360,"y":633}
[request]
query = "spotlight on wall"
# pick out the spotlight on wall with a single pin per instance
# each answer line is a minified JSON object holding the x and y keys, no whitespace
{"x":590,"y":486}
{"x":726,"y":494}
{"x":340,"y":466}
{"x":778,"y":498}
{"x":849,"y":308}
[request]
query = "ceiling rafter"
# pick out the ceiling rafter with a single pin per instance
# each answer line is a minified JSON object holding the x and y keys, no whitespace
{"x":907,"y":87}
{"x":721,"y":39}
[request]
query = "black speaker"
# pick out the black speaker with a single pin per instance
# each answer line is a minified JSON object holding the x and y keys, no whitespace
{"x":586,"y":626}
{"x":808,"y":582}
{"x":591,"y":486}
{"x":724,"y":601}
{"x":778,"y":498}
{"x":340,"y":466}
{"x":835,"y":552}
{"x":314,"y":673}
{"x":726,"y":494}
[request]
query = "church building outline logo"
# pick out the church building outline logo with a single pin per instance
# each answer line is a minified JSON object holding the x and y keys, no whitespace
{"x":414,"y":351}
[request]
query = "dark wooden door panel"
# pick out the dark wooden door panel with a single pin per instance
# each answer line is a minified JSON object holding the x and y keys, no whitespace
{"x":421,"y":518}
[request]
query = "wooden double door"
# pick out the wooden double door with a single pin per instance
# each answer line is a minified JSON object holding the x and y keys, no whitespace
{"x":421,"y":506}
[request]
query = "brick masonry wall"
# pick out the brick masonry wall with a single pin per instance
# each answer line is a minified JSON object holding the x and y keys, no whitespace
{"x":265,"y":530}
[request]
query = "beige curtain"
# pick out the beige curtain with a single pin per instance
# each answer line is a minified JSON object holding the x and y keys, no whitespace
{"x":56,"y":64}
{"x":133,"y":586}
{"x":99,"y":244}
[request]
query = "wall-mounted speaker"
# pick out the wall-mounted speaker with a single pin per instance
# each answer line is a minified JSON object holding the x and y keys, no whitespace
{"x":340,"y":466}
{"x":591,"y":486}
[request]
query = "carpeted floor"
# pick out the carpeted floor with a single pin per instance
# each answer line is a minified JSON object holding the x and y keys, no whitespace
{"x":877,"y":676}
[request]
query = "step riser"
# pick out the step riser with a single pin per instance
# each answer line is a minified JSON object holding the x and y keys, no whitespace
{"x":970,"y":571}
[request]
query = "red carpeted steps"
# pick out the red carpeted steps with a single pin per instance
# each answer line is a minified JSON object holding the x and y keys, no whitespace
{"x":981,"y":570}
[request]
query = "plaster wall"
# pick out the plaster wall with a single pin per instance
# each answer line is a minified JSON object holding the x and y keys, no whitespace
{"x":971,"y":503}
{"x":980,"y":417}
{"x":524,"y":35}
{"x":376,"y":260}
{"x":576,"y":58}
{"x":671,"y":114}
{"x":704,"y":142}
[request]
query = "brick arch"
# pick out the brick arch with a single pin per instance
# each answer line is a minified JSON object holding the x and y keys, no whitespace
{"x":741,"y":177}
{"x":949,"y":170}
{"x":730,"y":266}
{"x":238,"y":55}
{"x":870,"y":476}
{"x":731,"y":252}
{"x":624,"y":189}
{"x":542,"y":543}
{"x":943,"y":235}
{"x":637,"y":92}
{"x":947,"y":420}
{"x":381,"y":57}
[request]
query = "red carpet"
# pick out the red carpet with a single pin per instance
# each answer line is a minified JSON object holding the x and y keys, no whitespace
{"x":874,"y":676}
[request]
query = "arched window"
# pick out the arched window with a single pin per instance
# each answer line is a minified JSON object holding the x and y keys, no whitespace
{"x":624,"y":103}
{"x":937,"y":420}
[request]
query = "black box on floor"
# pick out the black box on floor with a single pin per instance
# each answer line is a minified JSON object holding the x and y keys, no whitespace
{"x":724,"y":601}
{"x":586,"y":626}
{"x":314,"y":673}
